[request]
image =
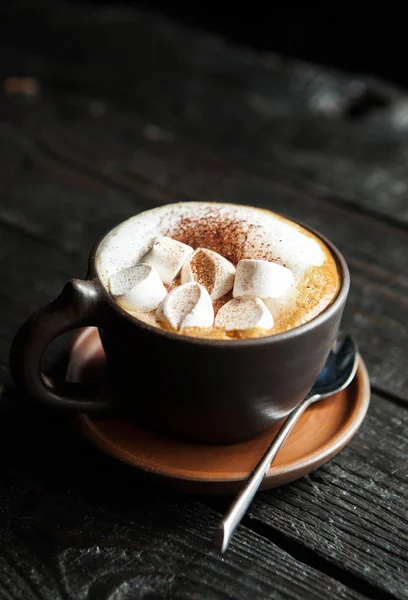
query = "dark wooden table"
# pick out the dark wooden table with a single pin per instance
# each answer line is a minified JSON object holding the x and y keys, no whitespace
{"x":124,"y":112}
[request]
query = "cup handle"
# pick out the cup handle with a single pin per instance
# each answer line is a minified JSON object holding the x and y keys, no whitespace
{"x":78,"y":305}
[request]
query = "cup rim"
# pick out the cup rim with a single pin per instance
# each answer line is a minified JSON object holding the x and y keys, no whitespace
{"x":322,"y":317}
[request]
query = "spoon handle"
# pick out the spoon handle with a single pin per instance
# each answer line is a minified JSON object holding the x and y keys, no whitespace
{"x":241,"y":503}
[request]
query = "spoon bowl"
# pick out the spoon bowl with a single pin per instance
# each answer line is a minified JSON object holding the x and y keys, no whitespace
{"x":339,"y":369}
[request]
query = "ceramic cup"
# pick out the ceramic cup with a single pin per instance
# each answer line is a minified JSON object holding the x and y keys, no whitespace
{"x":205,"y":390}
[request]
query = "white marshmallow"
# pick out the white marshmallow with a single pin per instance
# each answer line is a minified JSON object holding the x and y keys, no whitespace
{"x":138,"y":288}
{"x":187,"y":305}
{"x":244,"y":313}
{"x":261,"y":278}
{"x":168,"y":256}
{"x":211,"y":270}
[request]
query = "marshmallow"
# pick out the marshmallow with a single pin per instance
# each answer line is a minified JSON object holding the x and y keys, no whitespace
{"x":244,"y":313}
{"x":261,"y":278}
{"x":211,"y":270}
{"x":187,"y":305}
{"x":138,"y":288}
{"x":168,"y":256}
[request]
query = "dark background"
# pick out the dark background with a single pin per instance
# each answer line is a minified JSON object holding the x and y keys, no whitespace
{"x":353,"y":37}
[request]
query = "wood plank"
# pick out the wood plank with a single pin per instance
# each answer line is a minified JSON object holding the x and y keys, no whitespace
{"x":75,"y":526}
{"x":94,"y":526}
{"x":102,"y":173}
{"x":258,"y":110}
{"x":35,"y":274}
{"x":375,"y":462}
{"x":53,"y":202}
{"x":352,"y":511}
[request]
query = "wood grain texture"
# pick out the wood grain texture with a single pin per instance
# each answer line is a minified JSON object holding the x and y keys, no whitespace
{"x":134,"y":113}
{"x":74,"y":526}
{"x":264,"y":111}
{"x":105,"y":171}
{"x":353,"y":510}
{"x":25,"y":284}
{"x":74,"y":523}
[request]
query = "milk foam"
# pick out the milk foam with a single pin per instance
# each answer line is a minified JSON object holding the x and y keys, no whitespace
{"x":236,"y":232}
{"x":275,"y":238}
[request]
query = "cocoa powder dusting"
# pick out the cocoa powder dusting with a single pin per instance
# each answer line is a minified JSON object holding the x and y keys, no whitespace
{"x":203,"y":269}
{"x":222,"y":234}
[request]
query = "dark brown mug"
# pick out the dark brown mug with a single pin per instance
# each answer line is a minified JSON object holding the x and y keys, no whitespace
{"x":206,"y":390}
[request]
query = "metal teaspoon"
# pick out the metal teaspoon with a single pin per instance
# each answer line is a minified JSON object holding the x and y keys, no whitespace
{"x":337,"y":373}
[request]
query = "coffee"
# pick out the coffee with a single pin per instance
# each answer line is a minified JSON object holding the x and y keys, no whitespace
{"x":221,"y":271}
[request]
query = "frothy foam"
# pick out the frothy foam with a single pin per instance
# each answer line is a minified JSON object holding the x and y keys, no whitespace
{"x":236,"y":233}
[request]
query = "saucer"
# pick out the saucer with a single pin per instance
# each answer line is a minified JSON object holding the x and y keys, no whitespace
{"x":321,"y":432}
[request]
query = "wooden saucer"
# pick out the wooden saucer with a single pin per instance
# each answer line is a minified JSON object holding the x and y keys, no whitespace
{"x":321,"y":432}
